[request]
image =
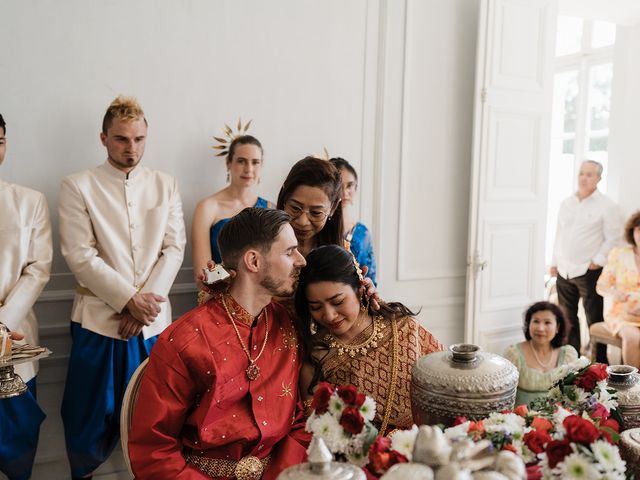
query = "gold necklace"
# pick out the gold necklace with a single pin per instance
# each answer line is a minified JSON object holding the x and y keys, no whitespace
{"x":535,"y":354}
{"x":252,"y":371}
{"x":360,"y":348}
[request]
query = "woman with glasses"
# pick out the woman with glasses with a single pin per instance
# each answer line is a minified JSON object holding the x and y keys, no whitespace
{"x":244,"y":165}
{"x":356,"y":233}
{"x":311,"y":196}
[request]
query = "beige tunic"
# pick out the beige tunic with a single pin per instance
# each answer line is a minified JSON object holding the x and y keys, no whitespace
{"x":119,"y":234}
{"x":25,"y":261}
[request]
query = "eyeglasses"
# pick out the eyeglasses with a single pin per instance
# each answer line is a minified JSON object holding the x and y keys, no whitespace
{"x":315,"y":215}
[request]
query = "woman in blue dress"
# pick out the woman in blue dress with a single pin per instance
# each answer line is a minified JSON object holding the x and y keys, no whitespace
{"x":244,"y":165}
{"x":355,"y":233}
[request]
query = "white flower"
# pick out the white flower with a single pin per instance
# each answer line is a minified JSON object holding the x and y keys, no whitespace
{"x":458,"y":431}
{"x":508,"y":423}
{"x":336,"y":405}
{"x":578,"y":467}
{"x":368,"y":409}
{"x":605,"y":397}
{"x":326,"y":426}
{"x":582,"y":396}
{"x":554,"y":393}
{"x":558,"y":417}
{"x":608,"y":456}
{"x":403,"y":441}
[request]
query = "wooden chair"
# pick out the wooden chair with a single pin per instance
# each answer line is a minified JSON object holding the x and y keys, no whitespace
{"x":600,"y":333}
{"x":126,"y":413}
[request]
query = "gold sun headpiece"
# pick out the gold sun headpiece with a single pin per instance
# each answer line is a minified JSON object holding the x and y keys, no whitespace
{"x":229,"y":136}
{"x":323,"y":156}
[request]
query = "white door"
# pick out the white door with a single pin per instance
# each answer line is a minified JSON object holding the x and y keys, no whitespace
{"x":510,"y":158}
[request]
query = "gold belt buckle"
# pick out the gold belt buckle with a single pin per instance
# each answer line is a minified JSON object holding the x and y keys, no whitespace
{"x":249,"y":468}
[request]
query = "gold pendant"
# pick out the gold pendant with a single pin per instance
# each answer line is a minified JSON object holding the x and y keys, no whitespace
{"x":252,"y":371}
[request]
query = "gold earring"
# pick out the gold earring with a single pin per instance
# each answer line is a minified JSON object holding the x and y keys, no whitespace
{"x":364,"y":303}
{"x":313,"y":327}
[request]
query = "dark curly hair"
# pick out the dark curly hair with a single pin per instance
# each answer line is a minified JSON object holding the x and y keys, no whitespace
{"x":561,"y":319}
{"x":633,"y":222}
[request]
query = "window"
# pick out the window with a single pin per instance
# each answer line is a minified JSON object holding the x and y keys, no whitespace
{"x":581,"y":107}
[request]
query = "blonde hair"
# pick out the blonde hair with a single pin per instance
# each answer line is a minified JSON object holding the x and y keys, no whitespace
{"x":123,"y":108}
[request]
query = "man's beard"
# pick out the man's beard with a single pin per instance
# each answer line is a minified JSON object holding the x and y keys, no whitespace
{"x":277,"y":287}
{"x":127,"y":162}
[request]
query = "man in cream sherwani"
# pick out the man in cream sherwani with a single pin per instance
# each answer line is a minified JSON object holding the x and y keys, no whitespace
{"x":122,"y":235}
{"x":25,"y":264}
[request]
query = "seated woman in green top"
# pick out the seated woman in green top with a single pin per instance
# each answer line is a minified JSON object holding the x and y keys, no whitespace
{"x":539,"y":357}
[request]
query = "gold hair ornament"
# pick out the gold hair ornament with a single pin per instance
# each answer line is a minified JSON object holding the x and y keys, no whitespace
{"x":229,"y":136}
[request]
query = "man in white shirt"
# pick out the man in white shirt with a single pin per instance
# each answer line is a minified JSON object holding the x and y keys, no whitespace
{"x":122,"y":235}
{"x":589,"y":225}
{"x":25,"y":265}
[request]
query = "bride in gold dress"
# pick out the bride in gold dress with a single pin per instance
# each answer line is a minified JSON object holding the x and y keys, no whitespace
{"x":352,"y":343}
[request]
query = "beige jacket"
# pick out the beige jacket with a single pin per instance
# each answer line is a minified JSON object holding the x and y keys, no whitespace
{"x":25,"y":261}
{"x":120,"y":234}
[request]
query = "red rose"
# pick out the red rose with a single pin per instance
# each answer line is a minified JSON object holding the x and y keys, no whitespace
{"x":600,"y":411}
{"x":541,"y":424}
{"x":348,"y":394}
{"x":521,"y":410}
{"x":459,"y":421}
{"x":382,"y":458}
{"x":580,"y":430}
{"x":321,"y":396}
{"x":556,"y":451}
{"x":609,"y":430}
{"x":360,"y":398}
{"x":351,"y":420}
{"x":536,"y":440}
{"x":593,"y":374}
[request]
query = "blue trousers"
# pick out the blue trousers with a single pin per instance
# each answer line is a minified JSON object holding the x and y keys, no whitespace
{"x":99,"y":370}
{"x":20,"y":419}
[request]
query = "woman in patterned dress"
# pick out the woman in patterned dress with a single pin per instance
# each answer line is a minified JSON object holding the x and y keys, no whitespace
{"x":354,"y":344}
{"x":620,"y":282}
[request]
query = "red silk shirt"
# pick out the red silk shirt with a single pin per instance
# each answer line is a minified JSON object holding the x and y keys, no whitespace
{"x":195,"y":396}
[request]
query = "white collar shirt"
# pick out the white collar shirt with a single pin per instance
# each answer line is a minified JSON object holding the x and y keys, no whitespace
{"x":25,"y":261}
{"x":120,"y":234}
{"x":587,"y":230}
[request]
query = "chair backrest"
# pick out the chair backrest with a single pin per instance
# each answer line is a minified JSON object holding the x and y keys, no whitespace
{"x":128,"y":406}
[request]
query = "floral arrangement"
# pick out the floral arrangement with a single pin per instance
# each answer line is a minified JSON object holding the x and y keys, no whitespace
{"x":342,"y":418}
{"x":569,"y":434}
{"x":572,"y":433}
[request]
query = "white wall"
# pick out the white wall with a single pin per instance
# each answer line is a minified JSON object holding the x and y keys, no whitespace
{"x":625,"y":111}
{"x":386,"y":84}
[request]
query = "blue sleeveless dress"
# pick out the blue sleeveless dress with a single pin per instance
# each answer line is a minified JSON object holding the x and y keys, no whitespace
{"x":216,"y":227}
{"x":361,"y":246}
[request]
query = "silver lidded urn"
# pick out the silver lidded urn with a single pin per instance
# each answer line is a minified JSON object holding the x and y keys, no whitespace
{"x":321,"y":467}
{"x":464,"y":381}
{"x":625,"y":379}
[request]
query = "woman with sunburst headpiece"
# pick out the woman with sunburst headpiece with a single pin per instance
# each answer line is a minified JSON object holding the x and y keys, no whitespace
{"x":244,"y":157}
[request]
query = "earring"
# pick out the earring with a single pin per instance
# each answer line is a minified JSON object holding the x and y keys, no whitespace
{"x":364,"y":303}
{"x":259,"y":179}
{"x":228,"y":176}
{"x":313,"y":327}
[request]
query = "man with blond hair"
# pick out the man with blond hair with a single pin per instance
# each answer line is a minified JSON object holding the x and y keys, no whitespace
{"x":122,"y":235}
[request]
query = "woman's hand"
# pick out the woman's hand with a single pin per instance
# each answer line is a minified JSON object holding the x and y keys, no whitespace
{"x":369,"y":289}
{"x":16,"y":336}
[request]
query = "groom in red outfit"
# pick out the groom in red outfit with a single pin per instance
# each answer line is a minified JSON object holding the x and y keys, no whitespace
{"x":219,"y":398}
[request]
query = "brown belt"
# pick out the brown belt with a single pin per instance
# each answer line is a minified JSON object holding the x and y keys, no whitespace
{"x":247,"y":468}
